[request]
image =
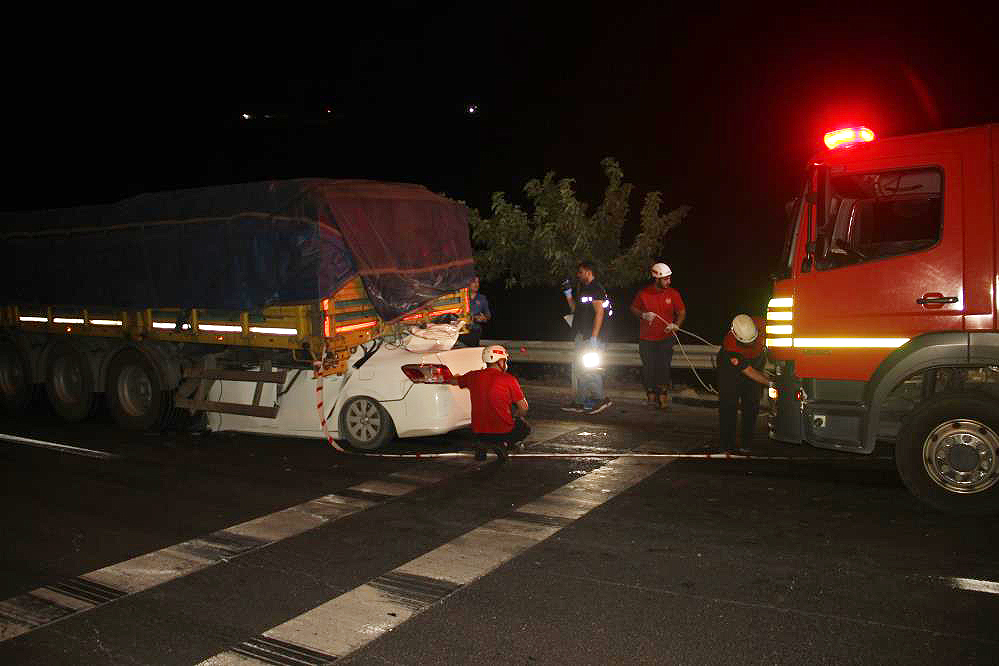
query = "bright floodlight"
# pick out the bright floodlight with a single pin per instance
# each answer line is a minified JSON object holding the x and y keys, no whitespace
{"x":591,"y":359}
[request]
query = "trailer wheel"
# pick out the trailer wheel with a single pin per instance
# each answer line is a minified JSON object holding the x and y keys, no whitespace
{"x":16,"y":389}
{"x":135,"y":392}
{"x":365,"y":423}
{"x":69,"y":383}
{"x":948,"y":453}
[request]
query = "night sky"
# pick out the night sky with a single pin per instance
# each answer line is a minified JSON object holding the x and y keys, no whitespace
{"x":716,"y":110}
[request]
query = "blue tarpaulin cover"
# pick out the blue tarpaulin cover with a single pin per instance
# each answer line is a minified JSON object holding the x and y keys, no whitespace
{"x":241,"y":247}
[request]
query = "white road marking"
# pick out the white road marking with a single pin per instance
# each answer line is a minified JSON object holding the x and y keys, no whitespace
{"x":42,"y":606}
{"x":974,"y":585}
{"x":63,"y":448}
{"x":344,"y":624}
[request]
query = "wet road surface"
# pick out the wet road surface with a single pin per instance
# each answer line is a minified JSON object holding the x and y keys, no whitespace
{"x":601,"y":544}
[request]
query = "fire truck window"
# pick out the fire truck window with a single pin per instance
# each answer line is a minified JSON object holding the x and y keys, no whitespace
{"x":878,"y":215}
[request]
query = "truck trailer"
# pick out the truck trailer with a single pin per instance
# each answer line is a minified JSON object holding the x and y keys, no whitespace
{"x":150,"y":303}
{"x":883,"y":317}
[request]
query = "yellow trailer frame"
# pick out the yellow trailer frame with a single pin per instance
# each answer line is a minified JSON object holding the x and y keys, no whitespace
{"x":324,"y":333}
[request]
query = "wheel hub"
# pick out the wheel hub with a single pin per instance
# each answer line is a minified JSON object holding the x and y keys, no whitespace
{"x":962,"y":456}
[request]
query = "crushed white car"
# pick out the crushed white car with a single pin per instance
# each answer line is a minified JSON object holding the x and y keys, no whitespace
{"x":389,"y":390}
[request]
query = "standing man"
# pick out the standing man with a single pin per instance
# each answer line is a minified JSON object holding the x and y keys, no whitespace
{"x":661,"y":311}
{"x":478,"y":306}
{"x":741,"y":361}
{"x":493,"y":391}
{"x":588,"y":304}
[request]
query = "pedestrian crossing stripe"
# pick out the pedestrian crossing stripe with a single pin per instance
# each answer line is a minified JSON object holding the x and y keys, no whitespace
{"x":56,"y":601}
{"x":346,"y":623}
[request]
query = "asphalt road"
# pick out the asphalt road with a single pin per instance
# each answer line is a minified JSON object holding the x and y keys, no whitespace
{"x":595,"y":548}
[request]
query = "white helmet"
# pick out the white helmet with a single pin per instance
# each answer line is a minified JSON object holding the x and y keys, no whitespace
{"x":744,"y":329}
{"x":660,"y":270}
{"x":493,"y":353}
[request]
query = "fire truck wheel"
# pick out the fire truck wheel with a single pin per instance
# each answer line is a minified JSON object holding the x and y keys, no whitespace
{"x":135,"y":392}
{"x":948,"y":453}
{"x":69,"y":383}
{"x":16,"y":389}
{"x":365,"y":423}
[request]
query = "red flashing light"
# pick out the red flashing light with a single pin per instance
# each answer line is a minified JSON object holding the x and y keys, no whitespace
{"x":848,"y":136}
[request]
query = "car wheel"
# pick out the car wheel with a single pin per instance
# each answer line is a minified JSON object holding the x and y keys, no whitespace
{"x":16,"y":389}
{"x":947,"y":453}
{"x":365,"y":423}
{"x":135,"y":392}
{"x":69,"y":383}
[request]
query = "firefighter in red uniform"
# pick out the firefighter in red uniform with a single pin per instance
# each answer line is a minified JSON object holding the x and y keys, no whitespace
{"x":493,"y":393}
{"x":741,"y":361}
{"x":662,"y":312}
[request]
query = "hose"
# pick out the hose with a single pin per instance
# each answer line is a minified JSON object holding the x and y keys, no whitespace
{"x":709,"y":389}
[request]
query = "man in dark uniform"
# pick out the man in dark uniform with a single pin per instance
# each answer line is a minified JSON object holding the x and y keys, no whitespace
{"x":588,"y":304}
{"x":741,"y":361}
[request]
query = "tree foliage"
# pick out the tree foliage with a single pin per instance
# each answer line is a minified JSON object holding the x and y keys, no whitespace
{"x":543,"y":246}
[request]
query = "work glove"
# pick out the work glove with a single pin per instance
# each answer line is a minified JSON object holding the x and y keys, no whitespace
{"x":567,"y":288}
{"x":649,"y":316}
{"x":672,"y":327}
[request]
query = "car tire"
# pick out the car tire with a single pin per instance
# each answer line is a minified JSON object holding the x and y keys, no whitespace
{"x":947,"y":453}
{"x":16,"y":388}
{"x":135,"y":394}
{"x":69,"y":383}
{"x":365,"y":424}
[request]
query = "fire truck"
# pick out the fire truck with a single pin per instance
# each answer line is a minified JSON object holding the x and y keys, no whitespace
{"x":882,"y":324}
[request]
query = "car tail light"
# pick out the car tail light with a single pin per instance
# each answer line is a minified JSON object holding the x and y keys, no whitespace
{"x":428,"y":373}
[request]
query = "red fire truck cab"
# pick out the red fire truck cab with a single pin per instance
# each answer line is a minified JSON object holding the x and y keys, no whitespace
{"x":883,"y":317}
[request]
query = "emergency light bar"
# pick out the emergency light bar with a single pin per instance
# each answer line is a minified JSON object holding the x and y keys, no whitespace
{"x":843,"y":138}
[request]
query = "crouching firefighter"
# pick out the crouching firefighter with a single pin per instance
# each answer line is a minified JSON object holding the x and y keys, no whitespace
{"x":741,"y":361}
{"x":494,"y":393}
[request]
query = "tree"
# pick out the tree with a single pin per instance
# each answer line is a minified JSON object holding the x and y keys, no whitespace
{"x":543,"y":246}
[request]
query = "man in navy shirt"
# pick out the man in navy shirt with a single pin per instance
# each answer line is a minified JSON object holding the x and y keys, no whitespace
{"x":479,"y":310}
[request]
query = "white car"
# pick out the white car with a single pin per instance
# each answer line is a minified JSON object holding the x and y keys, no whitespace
{"x":395,"y":392}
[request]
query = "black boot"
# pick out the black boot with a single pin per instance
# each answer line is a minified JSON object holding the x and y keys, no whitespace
{"x":480,"y":453}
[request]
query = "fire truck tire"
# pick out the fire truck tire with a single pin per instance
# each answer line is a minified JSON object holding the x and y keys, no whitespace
{"x":366,"y":424}
{"x":947,"y":453}
{"x":16,"y":389}
{"x":135,"y":394}
{"x":69,"y":383}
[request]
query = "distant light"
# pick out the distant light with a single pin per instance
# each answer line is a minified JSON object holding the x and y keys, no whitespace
{"x":472,"y":109}
{"x":329,"y":110}
{"x":246,"y":116}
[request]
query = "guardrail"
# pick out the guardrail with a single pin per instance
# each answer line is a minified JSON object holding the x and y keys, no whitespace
{"x":620,"y":354}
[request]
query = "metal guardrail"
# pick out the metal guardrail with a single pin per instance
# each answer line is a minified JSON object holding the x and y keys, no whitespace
{"x":620,"y":354}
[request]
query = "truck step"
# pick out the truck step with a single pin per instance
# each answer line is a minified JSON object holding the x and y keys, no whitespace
{"x":199,"y":381}
{"x":228,"y":408}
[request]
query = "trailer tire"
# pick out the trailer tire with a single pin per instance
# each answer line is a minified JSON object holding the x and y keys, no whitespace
{"x":366,"y":424}
{"x":135,"y":392}
{"x":16,"y":388}
{"x":947,"y":453}
{"x":69,"y":383}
